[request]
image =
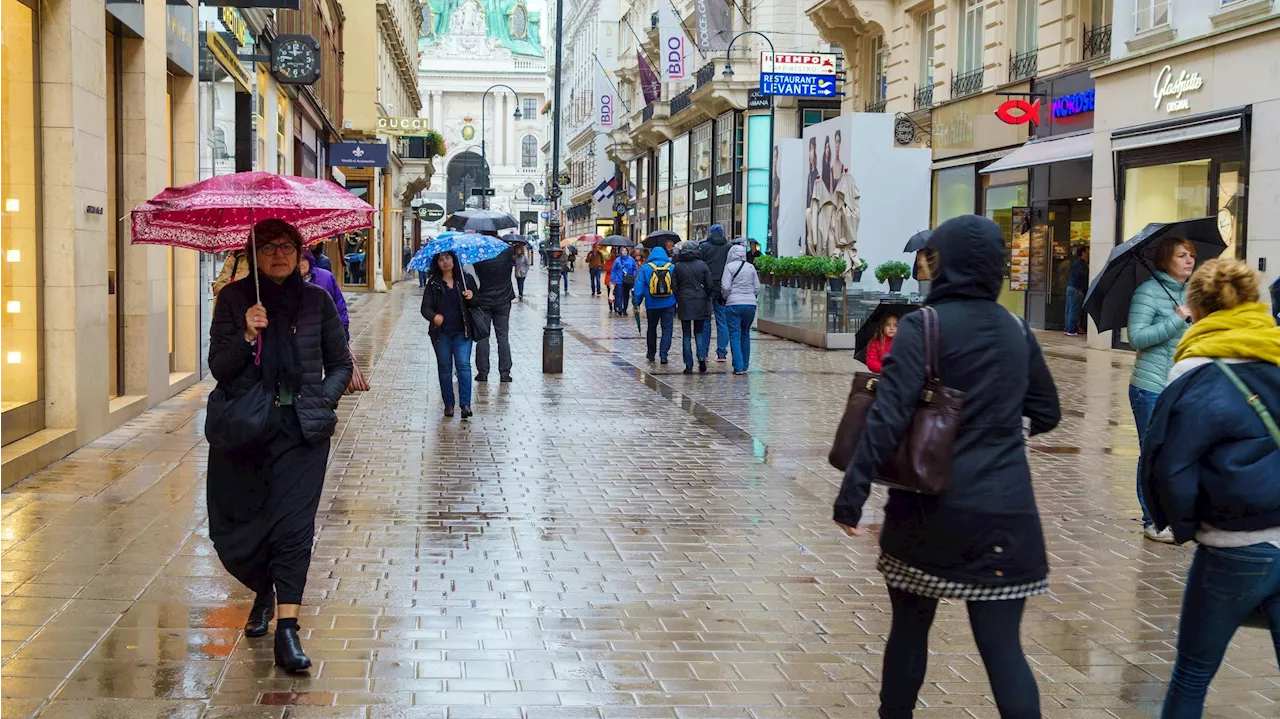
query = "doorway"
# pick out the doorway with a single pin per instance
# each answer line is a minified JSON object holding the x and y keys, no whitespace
{"x":1061,"y":227}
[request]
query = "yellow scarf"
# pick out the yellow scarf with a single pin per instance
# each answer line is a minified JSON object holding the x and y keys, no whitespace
{"x":1246,"y":331}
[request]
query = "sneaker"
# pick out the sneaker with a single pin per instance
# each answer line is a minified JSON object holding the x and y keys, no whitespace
{"x":721,"y":359}
{"x":506,"y":378}
{"x":739,"y":371}
{"x":1071,"y":334}
{"x":1164,"y":536}
{"x":688,"y":370}
{"x":664,"y":360}
{"x":649,"y":357}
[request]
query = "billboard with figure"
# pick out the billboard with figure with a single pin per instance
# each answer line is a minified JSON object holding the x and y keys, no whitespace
{"x":788,"y":197}
{"x":863,"y":195}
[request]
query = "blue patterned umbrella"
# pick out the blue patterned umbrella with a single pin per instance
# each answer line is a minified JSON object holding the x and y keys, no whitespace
{"x":469,"y":247}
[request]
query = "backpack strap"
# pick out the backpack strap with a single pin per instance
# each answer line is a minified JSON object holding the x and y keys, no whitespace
{"x":1252,"y":398}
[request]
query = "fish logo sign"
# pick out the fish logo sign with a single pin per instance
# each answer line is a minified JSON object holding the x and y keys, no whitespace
{"x":1028,"y":112}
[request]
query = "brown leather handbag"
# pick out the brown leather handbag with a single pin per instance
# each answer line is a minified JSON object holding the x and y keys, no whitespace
{"x":922,"y":461}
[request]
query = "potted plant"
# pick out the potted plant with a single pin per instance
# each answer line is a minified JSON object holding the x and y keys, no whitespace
{"x":895,"y":272}
{"x":858,"y":268}
{"x":833,"y":269}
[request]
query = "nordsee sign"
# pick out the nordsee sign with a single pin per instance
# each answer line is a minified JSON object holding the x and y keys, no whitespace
{"x":791,"y":85}
{"x":1073,"y":104}
{"x":1168,"y":86}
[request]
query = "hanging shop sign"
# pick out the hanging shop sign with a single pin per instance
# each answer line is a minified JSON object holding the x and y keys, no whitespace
{"x":1074,"y":104}
{"x":359,"y":154}
{"x":404,"y":126}
{"x":1169,"y":86}
{"x":234,"y":22}
{"x":180,"y":36}
{"x":1018,"y":112}
{"x":758,"y":101}
{"x":432,"y":213}
{"x":277,"y":4}
{"x":295,"y":59}
{"x":226,"y":57}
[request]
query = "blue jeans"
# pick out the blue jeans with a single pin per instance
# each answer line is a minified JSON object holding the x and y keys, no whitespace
{"x":454,"y":350}
{"x":739,"y":318}
{"x":595,"y":282}
{"x":1075,"y":303}
{"x":1224,"y":587}
{"x":665,"y":317}
{"x":520,"y":284}
{"x":692,"y":332}
{"x":1143,"y":403}
{"x":722,"y":328}
{"x":564,"y":275}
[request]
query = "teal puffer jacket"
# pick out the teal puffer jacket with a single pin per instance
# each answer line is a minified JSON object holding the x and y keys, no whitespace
{"x":1154,"y":330}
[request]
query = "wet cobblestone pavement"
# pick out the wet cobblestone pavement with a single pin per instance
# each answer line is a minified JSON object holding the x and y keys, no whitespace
{"x":621,"y":541}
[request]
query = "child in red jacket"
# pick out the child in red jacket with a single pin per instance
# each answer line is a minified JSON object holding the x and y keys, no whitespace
{"x":879,"y":347}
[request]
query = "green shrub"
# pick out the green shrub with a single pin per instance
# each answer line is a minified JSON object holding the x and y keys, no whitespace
{"x":892,"y":269}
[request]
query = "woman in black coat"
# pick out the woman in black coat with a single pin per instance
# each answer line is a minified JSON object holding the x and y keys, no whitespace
{"x":263,"y":498}
{"x":981,"y":541}
{"x":446,"y":306}
{"x":694,"y":288}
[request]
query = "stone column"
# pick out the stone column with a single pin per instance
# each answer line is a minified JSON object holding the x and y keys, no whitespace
{"x":186,"y":270}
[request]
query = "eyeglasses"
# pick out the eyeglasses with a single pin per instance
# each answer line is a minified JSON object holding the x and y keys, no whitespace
{"x":272,"y":249}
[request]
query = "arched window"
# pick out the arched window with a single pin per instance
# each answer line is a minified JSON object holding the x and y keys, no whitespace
{"x":529,"y":152}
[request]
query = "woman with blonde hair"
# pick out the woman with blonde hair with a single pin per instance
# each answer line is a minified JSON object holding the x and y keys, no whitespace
{"x":1210,"y":471}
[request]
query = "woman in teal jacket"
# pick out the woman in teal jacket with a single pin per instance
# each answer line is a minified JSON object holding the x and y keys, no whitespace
{"x":1157,"y":318}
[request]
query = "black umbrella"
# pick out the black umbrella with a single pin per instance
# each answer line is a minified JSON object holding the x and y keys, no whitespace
{"x":660,"y":237}
{"x":616,"y":241}
{"x":871,"y":325}
{"x":918,"y":241}
{"x":515,"y":239}
{"x":480,"y":221}
{"x":1134,"y":262}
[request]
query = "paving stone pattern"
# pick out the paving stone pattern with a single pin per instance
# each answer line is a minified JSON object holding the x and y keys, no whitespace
{"x":623,"y":541}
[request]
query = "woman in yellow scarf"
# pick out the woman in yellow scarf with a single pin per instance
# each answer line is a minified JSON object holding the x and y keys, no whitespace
{"x":1211,"y":471}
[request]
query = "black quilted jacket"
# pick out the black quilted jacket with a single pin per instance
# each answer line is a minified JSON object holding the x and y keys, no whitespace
{"x":322,"y":352}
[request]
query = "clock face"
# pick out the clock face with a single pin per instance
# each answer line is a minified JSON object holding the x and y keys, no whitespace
{"x":295,"y":60}
{"x":1226,"y":226}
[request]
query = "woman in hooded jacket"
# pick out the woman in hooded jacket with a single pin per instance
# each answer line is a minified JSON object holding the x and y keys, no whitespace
{"x":1211,"y":472}
{"x":739,"y":286}
{"x":694,"y":290}
{"x":981,"y":540}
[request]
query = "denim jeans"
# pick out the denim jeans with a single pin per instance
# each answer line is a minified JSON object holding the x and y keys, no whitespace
{"x":722,"y":328}
{"x":739,"y":318}
{"x":422,"y":278}
{"x":595,"y":281}
{"x":454,"y":350}
{"x":564,"y":275}
{"x":622,"y":295}
{"x":520,"y":286}
{"x":692,"y":332}
{"x":1143,"y":403}
{"x":665,"y":317}
{"x":1224,"y":587}
{"x":1075,"y":303}
{"x":996,"y":629}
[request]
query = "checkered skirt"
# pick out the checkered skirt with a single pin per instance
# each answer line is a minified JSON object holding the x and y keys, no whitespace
{"x":902,"y":576}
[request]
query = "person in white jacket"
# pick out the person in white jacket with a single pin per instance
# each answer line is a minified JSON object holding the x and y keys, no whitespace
{"x":739,"y":286}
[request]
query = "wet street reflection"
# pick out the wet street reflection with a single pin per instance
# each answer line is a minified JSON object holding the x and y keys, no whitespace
{"x":620,"y":541}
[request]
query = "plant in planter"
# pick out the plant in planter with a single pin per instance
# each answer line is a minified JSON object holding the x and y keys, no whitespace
{"x":895,"y":272}
{"x":766,"y":266}
{"x":858,"y":268}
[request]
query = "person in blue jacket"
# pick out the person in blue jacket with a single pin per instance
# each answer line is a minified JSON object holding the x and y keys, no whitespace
{"x":656,"y":287}
{"x":623,"y":277}
{"x":1210,"y":469}
{"x":1157,"y":319}
{"x":1275,"y":299}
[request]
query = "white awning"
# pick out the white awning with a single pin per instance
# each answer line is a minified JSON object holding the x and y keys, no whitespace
{"x":1177,"y":134}
{"x":1043,"y":152}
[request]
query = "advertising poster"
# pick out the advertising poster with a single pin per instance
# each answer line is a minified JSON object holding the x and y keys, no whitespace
{"x":863,"y":195}
{"x":1020,"y":249}
{"x":788,"y":197}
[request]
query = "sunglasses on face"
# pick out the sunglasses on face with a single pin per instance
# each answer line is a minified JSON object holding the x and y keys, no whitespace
{"x":274,"y":248}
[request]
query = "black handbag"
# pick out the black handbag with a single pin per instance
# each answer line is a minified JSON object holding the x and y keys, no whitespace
{"x":481,"y":323}
{"x":236,"y":423}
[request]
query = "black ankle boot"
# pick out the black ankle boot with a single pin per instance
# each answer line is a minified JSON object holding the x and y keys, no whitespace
{"x":259,"y":622}
{"x":289,"y":654}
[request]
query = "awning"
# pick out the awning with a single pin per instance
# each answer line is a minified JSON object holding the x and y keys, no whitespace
{"x":1177,"y":134}
{"x":1044,"y":152}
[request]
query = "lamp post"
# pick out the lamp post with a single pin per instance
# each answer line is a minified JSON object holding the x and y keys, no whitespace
{"x":770,"y":248}
{"x":553,"y":333}
{"x":483,"y":155}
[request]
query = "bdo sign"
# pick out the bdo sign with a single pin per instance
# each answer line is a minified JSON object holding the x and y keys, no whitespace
{"x":606,"y":110}
{"x":675,"y":58}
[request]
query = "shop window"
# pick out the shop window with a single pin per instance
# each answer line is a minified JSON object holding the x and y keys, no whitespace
{"x":702,"y":152}
{"x":925,"y":39}
{"x":282,"y":133}
{"x":969,"y":56}
{"x":724,"y":144}
{"x":813,"y":116}
{"x":1231,"y":206}
{"x":955,"y":191}
{"x":1165,"y":193}
{"x":260,"y":99}
{"x":529,"y":152}
{"x":680,"y":161}
{"x":664,"y":167}
{"x":1150,"y":14}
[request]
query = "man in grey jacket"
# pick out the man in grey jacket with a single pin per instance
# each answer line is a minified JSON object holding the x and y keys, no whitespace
{"x":739,"y":285}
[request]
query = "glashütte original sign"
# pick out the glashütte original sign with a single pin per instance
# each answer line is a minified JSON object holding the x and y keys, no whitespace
{"x":1170,"y":86}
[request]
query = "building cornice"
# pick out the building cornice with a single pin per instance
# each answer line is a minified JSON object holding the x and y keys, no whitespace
{"x":1249,"y":28}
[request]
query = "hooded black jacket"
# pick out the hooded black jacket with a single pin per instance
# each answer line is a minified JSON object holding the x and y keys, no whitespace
{"x":715,"y":252}
{"x":433,"y":301}
{"x":693,"y":284}
{"x":985,"y":529}
{"x":494,"y":278}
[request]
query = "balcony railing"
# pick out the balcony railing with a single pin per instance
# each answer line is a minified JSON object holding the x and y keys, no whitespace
{"x":681,"y":102}
{"x":924,"y":97}
{"x":706,"y":74}
{"x":1023,"y":65}
{"x":1151,"y":14}
{"x":1097,"y":42}
{"x":877,"y":106}
{"x":966,"y":83}
{"x":647,"y":113}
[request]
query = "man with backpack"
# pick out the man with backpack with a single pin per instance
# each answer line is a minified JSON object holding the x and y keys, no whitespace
{"x":623,"y":277}
{"x":656,"y":287}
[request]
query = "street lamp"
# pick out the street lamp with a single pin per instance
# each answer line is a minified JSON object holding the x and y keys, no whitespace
{"x":553,"y":333}
{"x":483,"y":155}
{"x":728,"y":72}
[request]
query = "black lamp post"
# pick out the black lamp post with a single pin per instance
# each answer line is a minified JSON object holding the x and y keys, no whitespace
{"x":553,"y":333}
{"x":483,"y":155}
{"x":728,"y":72}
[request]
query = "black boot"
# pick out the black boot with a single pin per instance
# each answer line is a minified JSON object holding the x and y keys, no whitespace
{"x":259,"y":622}
{"x":466,"y":412}
{"x":289,"y":654}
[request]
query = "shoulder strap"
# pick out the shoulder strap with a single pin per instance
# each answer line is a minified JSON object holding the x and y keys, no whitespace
{"x":235,"y":267}
{"x":735,"y":273}
{"x":932,"y":340}
{"x":1252,"y":398}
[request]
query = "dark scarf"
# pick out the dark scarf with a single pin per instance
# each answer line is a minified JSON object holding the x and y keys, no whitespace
{"x":280,"y":366}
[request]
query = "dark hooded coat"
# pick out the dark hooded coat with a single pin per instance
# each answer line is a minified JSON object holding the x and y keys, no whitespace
{"x":694,"y":284}
{"x":715,"y":252}
{"x":985,"y":529}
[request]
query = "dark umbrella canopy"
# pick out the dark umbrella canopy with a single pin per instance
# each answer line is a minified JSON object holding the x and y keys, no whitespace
{"x":480,"y":221}
{"x":660,"y":237}
{"x":871,"y":325}
{"x":515,"y":239}
{"x":616,"y":241}
{"x":1133,"y":263}
{"x":918,"y":241}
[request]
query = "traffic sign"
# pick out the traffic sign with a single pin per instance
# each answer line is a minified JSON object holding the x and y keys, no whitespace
{"x":791,"y":85}
{"x":483,"y":192}
{"x":544,"y":214}
{"x":803,"y":63}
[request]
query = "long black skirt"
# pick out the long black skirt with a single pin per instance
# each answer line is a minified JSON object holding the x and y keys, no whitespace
{"x":262,"y":509}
